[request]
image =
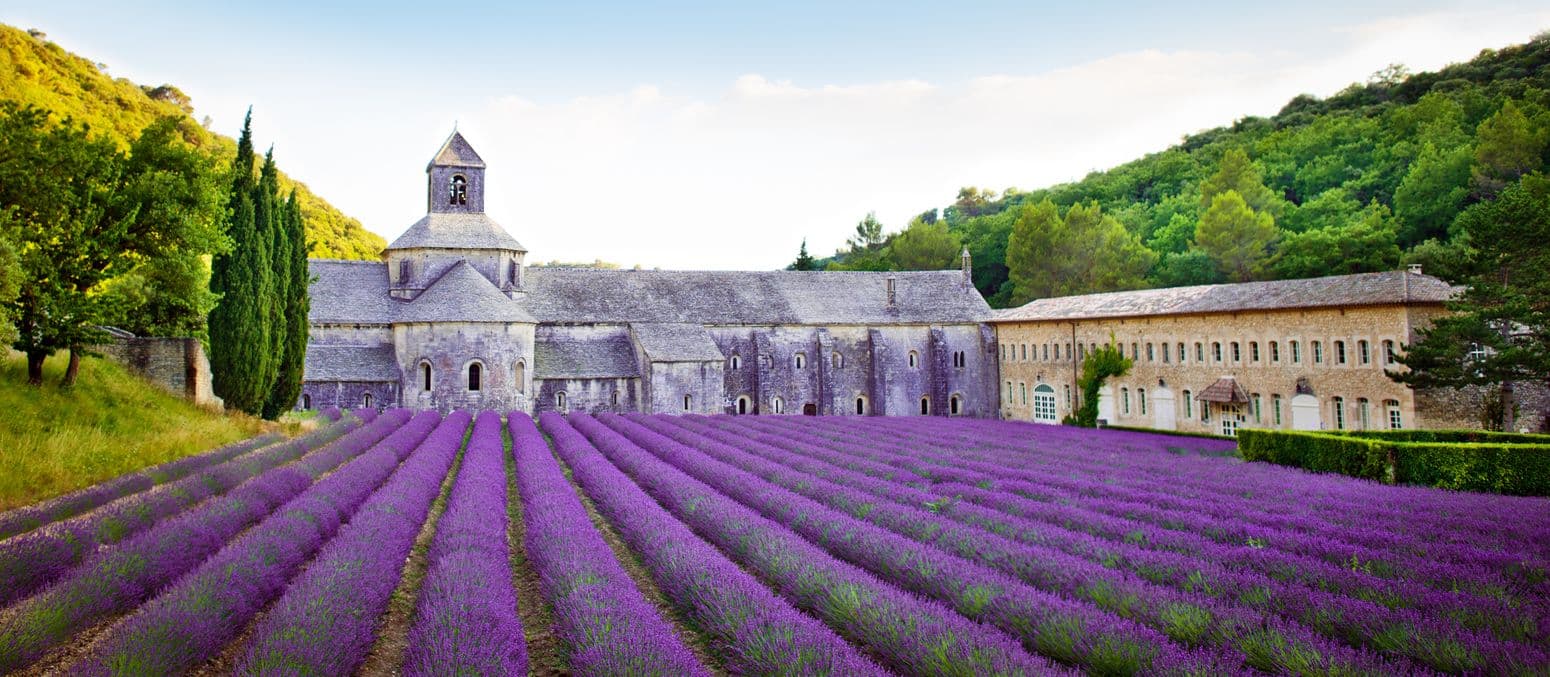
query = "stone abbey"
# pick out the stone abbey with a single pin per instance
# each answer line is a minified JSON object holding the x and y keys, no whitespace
{"x":451,"y":318}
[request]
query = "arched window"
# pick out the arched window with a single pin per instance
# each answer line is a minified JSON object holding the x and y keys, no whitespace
{"x":1339,"y":352}
{"x":1237,"y":355}
{"x":1044,"y":403}
{"x":1023,"y":388}
{"x":925,"y":406}
{"x":1216,"y":351}
{"x":1046,"y":352}
{"x":1254,"y":400}
{"x":1189,"y":405}
{"x":1388,"y":352}
{"x":915,"y":359}
{"x":366,"y":400}
{"x":1150,"y":354}
{"x":1339,"y":406}
{"x":1363,"y":416}
{"x":742,"y":404}
{"x":457,"y":193}
{"x":1141,"y":399}
{"x":1296,"y":352}
{"x":1010,"y":396}
{"x":1275,"y":409}
{"x":1318,"y":352}
{"x":1275,"y":351}
{"x":306,"y":401}
{"x":861,"y":406}
{"x":837,"y":360}
{"x":737,"y":363}
{"x":778,"y":405}
{"x":614,"y":397}
{"x":1363,"y":354}
{"x":425,"y":376}
{"x":475,"y":374}
{"x":1253,"y":351}
{"x":953,"y":405}
{"x":520,"y":373}
{"x":1124,"y":401}
{"x":1200,"y":353}
{"x":688,"y":402}
{"x":800,"y":360}
{"x":559,"y":400}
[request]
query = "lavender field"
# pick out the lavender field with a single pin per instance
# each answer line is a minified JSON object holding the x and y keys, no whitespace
{"x":415,"y":543}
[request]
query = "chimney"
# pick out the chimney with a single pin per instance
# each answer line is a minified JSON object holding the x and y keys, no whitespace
{"x":1414,"y":268}
{"x":892,"y":295}
{"x":968,"y":268}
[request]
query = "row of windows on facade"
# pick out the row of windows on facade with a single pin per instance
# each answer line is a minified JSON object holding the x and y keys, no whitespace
{"x":1363,"y":352}
{"x":837,"y":360}
{"x":1044,"y":406}
{"x":474,"y":372}
{"x":778,"y":404}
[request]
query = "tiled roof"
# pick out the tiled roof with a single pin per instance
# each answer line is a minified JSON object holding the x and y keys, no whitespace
{"x":762,"y":297}
{"x":673,"y":342}
{"x":350,"y":292}
{"x":456,"y":152}
{"x":566,"y":356}
{"x":456,"y":231}
{"x":371,"y":364}
{"x":1226,"y":389}
{"x":1339,"y":290}
{"x":462,"y":295}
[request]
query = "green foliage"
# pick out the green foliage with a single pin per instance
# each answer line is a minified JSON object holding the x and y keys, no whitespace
{"x":1236,"y":237}
{"x":1235,"y":173}
{"x":1101,"y":364}
{"x":1432,"y":192}
{"x":1081,"y":252}
{"x":242,"y":361}
{"x":1497,"y":332}
{"x":925,"y":246}
{"x":34,"y":71}
{"x":1507,"y":146}
{"x":297,"y":301}
{"x":1364,"y":246}
{"x":804,"y":260}
{"x":1492,"y":466}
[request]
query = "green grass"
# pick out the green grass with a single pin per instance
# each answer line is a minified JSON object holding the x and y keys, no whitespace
{"x":55,"y":440}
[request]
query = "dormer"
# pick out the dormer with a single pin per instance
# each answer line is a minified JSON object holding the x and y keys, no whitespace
{"x":456,"y":179}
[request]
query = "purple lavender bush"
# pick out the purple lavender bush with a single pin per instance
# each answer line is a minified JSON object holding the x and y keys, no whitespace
{"x":909,"y":634}
{"x":32,"y":560}
{"x":755,"y":630}
{"x":190,"y":621}
{"x":608,"y":626}
{"x":31,"y":517}
{"x":114,"y":580}
{"x":466,"y":622}
{"x":326,"y":621}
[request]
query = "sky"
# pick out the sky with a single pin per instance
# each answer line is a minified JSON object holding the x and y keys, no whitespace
{"x":709,"y":135}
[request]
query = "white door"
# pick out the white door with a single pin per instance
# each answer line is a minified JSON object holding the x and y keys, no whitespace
{"x":1305,"y":413}
{"x":1106,"y":404}
{"x":1044,"y":404}
{"x":1165,"y":417}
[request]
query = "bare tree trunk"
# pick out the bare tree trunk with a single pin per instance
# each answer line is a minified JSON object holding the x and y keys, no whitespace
{"x":35,"y":367}
{"x":71,"y":369}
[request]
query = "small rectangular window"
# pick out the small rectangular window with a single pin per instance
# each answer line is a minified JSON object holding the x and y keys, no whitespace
{"x":1275,"y":351}
{"x":1135,"y":352}
{"x":1275,"y":408}
{"x":1339,"y":406}
{"x":1189,"y":405}
{"x":1046,"y":352}
{"x":1200,"y":353}
{"x":1339,"y":352}
{"x":1237,"y":354}
{"x":1318,"y":352}
{"x":1363,"y":355}
{"x":1296,"y":352}
{"x":1253,"y":351}
{"x":1255,"y":397}
{"x":1181,"y":353}
{"x":1388,"y":352}
{"x":1150,"y":356}
{"x":1216,"y":351}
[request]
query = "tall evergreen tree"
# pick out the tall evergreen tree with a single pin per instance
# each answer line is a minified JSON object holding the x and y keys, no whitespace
{"x":804,"y":260}
{"x":297,"y":302}
{"x":1236,"y":237}
{"x":269,"y":218}
{"x":240,"y":343}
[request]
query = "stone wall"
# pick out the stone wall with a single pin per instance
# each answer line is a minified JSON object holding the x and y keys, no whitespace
{"x":177,"y":364}
{"x":451,"y":349}
{"x":349,"y":395}
{"x":590,"y":395}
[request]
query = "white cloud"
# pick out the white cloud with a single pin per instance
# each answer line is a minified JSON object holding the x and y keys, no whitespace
{"x":736,"y":180}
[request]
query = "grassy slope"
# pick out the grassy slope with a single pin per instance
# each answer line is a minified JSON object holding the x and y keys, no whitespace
{"x":54,"y":441}
{"x":38,"y":72}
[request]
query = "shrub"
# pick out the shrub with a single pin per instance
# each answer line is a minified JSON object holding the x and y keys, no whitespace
{"x":1448,"y":459}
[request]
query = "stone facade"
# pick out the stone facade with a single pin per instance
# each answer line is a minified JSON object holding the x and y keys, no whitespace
{"x":451,"y":319}
{"x":1301,"y":354}
{"x":176,"y":364}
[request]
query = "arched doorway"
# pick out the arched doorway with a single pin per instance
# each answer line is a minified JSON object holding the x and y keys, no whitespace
{"x":954,"y":405}
{"x":861,"y":406}
{"x":742,"y":405}
{"x":809,"y":409}
{"x":1044,"y":404}
{"x":925,"y":406}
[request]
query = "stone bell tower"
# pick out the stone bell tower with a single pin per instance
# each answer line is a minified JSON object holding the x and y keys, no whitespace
{"x":455,"y":179}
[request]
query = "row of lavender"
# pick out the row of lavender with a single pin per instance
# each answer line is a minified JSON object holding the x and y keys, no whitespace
{"x":1164,"y":572}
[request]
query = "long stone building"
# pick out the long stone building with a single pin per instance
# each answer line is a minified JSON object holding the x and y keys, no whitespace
{"x":1292,"y":354}
{"x":451,"y":318}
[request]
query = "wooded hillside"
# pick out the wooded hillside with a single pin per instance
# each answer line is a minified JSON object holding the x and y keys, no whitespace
{"x":34,"y":71}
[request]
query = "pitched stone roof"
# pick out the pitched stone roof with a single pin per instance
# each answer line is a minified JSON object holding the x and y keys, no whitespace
{"x":443,"y":230}
{"x":566,"y":356}
{"x":1339,"y":290}
{"x":1226,"y":389}
{"x":675,"y":342}
{"x":349,"y":292}
{"x":371,"y":364}
{"x":462,"y":295}
{"x":741,"y":297}
{"x":456,"y":152}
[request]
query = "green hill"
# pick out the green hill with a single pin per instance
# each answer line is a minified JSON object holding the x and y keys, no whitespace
{"x":1362,"y":180}
{"x":55,"y":440}
{"x":38,"y":72}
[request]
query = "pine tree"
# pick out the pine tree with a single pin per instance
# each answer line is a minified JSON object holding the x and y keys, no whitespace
{"x":297,"y":302}
{"x":1235,"y":172}
{"x":1236,"y":237}
{"x":1507,"y":146}
{"x":804,"y":260}
{"x":240,"y":343}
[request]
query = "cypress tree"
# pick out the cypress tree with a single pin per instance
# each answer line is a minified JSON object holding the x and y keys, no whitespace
{"x":297,"y":302}
{"x":240,"y":343}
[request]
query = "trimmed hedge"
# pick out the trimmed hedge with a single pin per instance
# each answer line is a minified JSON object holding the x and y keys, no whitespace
{"x":1450,"y":436}
{"x":1175,"y":433}
{"x":1493,"y":467}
